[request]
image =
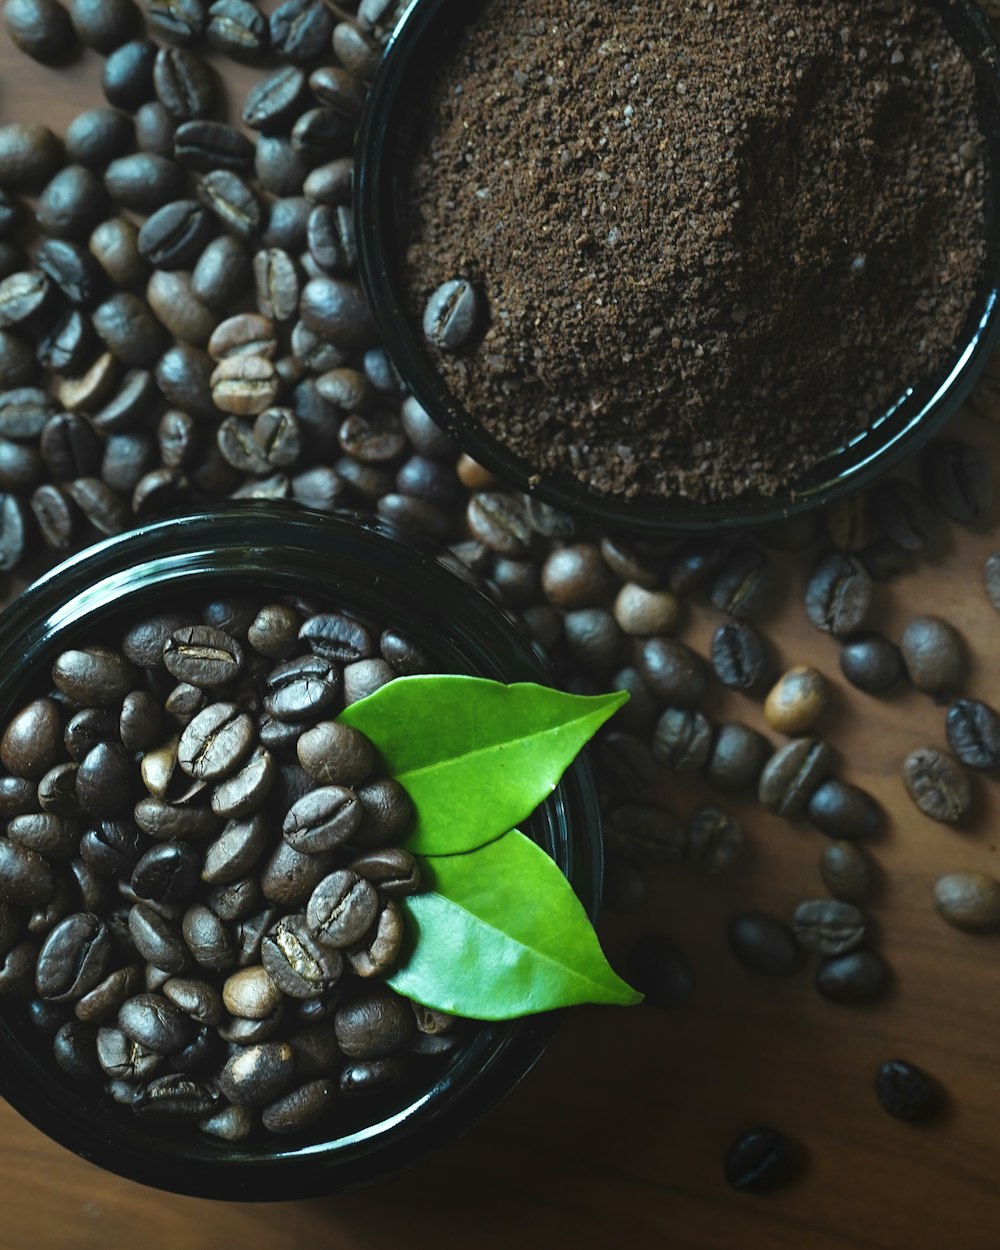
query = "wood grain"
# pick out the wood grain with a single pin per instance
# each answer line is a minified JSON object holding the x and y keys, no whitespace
{"x":617,"y":1137}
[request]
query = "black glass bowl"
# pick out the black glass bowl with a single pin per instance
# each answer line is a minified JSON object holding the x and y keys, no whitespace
{"x":257,"y":550}
{"x":383,"y":155}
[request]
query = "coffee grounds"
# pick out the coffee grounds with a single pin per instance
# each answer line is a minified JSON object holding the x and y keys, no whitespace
{"x":716,"y":239}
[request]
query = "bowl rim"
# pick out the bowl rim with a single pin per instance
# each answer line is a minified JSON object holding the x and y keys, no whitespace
{"x":95,"y":584}
{"x":903,"y":429}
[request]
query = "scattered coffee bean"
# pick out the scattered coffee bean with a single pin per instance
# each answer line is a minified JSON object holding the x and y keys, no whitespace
{"x":714,"y":842}
{"x":858,"y":977}
{"x":762,"y":943}
{"x":839,"y":595}
{"x":974,"y":733}
{"x":828,"y":927}
{"x":797,"y":701}
{"x":906,"y":1091}
{"x":871,"y":663}
{"x":934,"y":655}
{"x":793,"y":774}
{"x":969,"y":900}
{"x":846,"y":871}
{"x":740,"y":657}
{"x":937,"y":784}
{"x":841,"y":810}
{"x":761,"y":1159}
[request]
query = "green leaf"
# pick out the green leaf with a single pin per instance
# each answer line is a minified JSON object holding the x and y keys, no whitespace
{"x":475,"y":756}
{"x":499,"y":933}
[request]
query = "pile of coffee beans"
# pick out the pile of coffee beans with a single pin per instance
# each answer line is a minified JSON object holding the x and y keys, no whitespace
{"x":199,"y":869}
{"x":221,"y":348}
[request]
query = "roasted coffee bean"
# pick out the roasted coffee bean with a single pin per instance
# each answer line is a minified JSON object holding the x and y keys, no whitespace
{"x":105,"y":510}
{"x":184,"y":377}
{"x":356,"y":50}
{"x":300,"y":688}
{"x":250,"y":993}
{"x":738,"y":756}
{"x":216,"y":742}
{"x":859,"y":977}
{"x":157,"y":940}
{"x":682,"y":740}
{"x":256,"y":1075}
{"x":177,"y":21}
{"x":29,"y":155}
{"x":67,"y":344}
{"x":761,"y":1159}
{"x":934,"y":655}
{"x":244,"y":385}
{"x":849,"y":523}
{"x":279,"y":169}
{"x":73,"y":958}
{"x":71,"y":204}
{"x":129,"y":331}
{"x":884,"y":560}
{"x":236,"y":899}
{"x":572,"y":577}
{"x":335,"y":754}
{"x":369,"y":1074}
{"x":196,"y":998}
{"x":24,"y":412}
{"x":175,"y":1099}
{"x":298,"y":964}
{"x":320,"y":134}
{"x":338,"y":638}
{"x":743,"y":586}
{"x":236,"y":850}
{"x":828,"y":927}
{"x":49,"y":835}
{"x":969,"y":900}
{"x":208,"y":939}
{"x":331,"y":184}
{"x":740,"y":657}
{"x":322,"y":819}
{"x":388,"y":812}
{"x":70,"y":447}
{"x":203,"y":656}
{"x":221,"y":274}
{"x":184,"y":84}
{"x":155,"y":128}
{"x":103,"y":780}
{"x":206,"y":145}
{"x":175,"y":306}
{"x":342,"y":909}
{"x":112,"y":847}
{"x":958,"y":479}
{"x":124,"y":1058}
{"x":974,"y":733}
{"x":93,"y":676}
{"x":277,"y":284}
{"x":336,"y":310}
{"x":793,"y":774}
{"x":24,"y":299}
{"x":871,"y":663}
{"x":231,"y":1124}
{"x":797,"y":701}
{"x":286,"y":224}
{"x":762,"y":943}
{"x":244,"y":791}
{"x":841,"y":810}
{"x":238,"y":29}
{"x":167,"y":873}
{"x":903,"y":515}
{"x":273,"y":102}
{"x":31,"y":741}
{"x":838,"y":595}
{"x":155,"y":1023}
{"x":114,"y":244}
{"x":648,"y":833}
{"x":394,"y":871}
{"x":17,"y":367}
{"x":174,"y":236}
{"x":104,"y":24}
{"x":644,"y":613}
{"x":71,"y":269}
{"x":331,"y":240}
{"x":695,"y":563}
{"x":402,"y":653}
{"x":41,"y":29}
{"x":906,"y":1091}
{"x":301,"y":30}
{"x":144,"y":641}
{"x":378,"y":951}
{"x":452,"y":314}
{"x":103,"y":1001}
{"x":17,"y":797}
{"x":127,"y":76}
{"x":714,"y":842}
{"x":374,"y":1025}
{"x":673,"y":672}
{"x":846,"y":871}
{"x":246,"y":334}
{"x":232,"y":201}
{"x":57,"y":792}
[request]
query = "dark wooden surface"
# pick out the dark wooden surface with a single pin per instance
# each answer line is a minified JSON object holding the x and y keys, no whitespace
{"x":617,"y":1137}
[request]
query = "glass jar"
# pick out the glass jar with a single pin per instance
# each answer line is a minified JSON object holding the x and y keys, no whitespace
{"x":256,"y":551}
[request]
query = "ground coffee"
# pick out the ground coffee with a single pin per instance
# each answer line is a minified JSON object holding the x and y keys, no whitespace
{"x":715,"y":239}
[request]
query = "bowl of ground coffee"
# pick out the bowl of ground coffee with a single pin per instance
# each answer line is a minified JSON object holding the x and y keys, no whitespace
{"x":144,"y":943}
{"x":685,"y":267}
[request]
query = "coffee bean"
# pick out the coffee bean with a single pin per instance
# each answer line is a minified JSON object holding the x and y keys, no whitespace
{"x":682,"y":740}
{"x":112,"y":847}
{"x":124,"y":1058}
{"x":238,"y":29}
{"x":250,"y":994}
{"x":102,"y":1002}
{"x":793,"y":774}
{"x":934,"y":655}
{"x":177,"y":21}
{"x":331,"y":184}
{"x":155,"y":1023}
{"x":906,"y":1091}
{"x":297,"y":963}
{"x":388,"y":812}
{"x":231,"y":1124}
{"x":273,"y":102}
{"x":202,"y":656}
{"x":871,"y":663}
{"x":369,"y":1074}
{"x":969,"y":900}
{"x":158,"y":941}
{"x":93,"y":676}
{"x":452,"y":314}
{"x":335,"y":754}
{"x":129,"y":331}
{"x":299,"y":688}
{"x":846,"y":871}
{"x":673,"y":672}
{"x":208,"y":939}
{"x":167,"y":873}
{"x":378,"y":951}
{"x":127,"y":76}
{"x":41,"y":29}
{"x":103,"y":780}
{"x":216,"y":742}
{"x":175,"y":1099}
{"x":232,"y":201}
{"x":828,"y":927}
{"x":17,"y":366}
{"x":301,"y":30}
{"x":838,"y":595}
{"x":797,"y":701}
{"x":714,"y":842}
{"x":762,"y":943}
{"x":73,"y":958}
{"x":155,"y":128}
{"x":903,"y":515}
{"x":299,"y":1108}
{"x":221,"y":274}
{"x":279,"y":169}
{"x":394,"y":871}
{"x":322,"y":819}
{"x":244,"y":791}
{"x":843,"y":811}
{"x":244,"y":385}
{"x":743,"y":586}
{"x":104,"y":24}
{"x":29,"y":155}
{"x":974,"y":733}
{"x":184,"y":84}
{"x":71,"y":204}
{"x":859,"y":977}
{"x":740,"y":657}
{"x":173,"y":237}
{"x":184,"y":378}
{"x":31,"y":741}
{"x":24,"y":298}
{"x":761,"y":1159}
{"x":114,"y":245}
{"x":738,"y":756}
{"x":958,"y":479}
{"x":103,"y":508}
{"x":648,"y":833}
{"x":356,"y":50}
{"x":336,"y":310}
{"x":257,"y":1074}
{"x":198,"y":999}
{"x":321,"y":134}
{"x":374,"y":1025}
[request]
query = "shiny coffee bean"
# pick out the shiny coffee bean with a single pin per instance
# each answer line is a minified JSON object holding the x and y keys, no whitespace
{"x":740,"y":657}
{"x":73,"y":959}
{"x":793,"y":774}
{"x":155,"y":1023}
{"x":737,"y":758}
{"x":374,"y":1025}
{"x":797,"y":701}
{"x":838,"y":595}
{"x":973,"y":731}
{"x":871,"y":663}
{"x":682,"y":740}
{"x":938,"y":785}
{"x":104,"y":24}
{"x":216,"y":742}
{"x":232,"y":201}
{"x":906,"y":1091}
{"x":256,"y":1075}
{"x":841,"y":810}
{"x":41,"y":29}
{"x":958,"y":479}
{"x":673,"y":672}
{"x":934,"y":655}
{"x":744,"y":585}
{"x":297,"y":963}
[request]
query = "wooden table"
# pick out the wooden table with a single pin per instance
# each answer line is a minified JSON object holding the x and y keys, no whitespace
{"x":617,"y":1137}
